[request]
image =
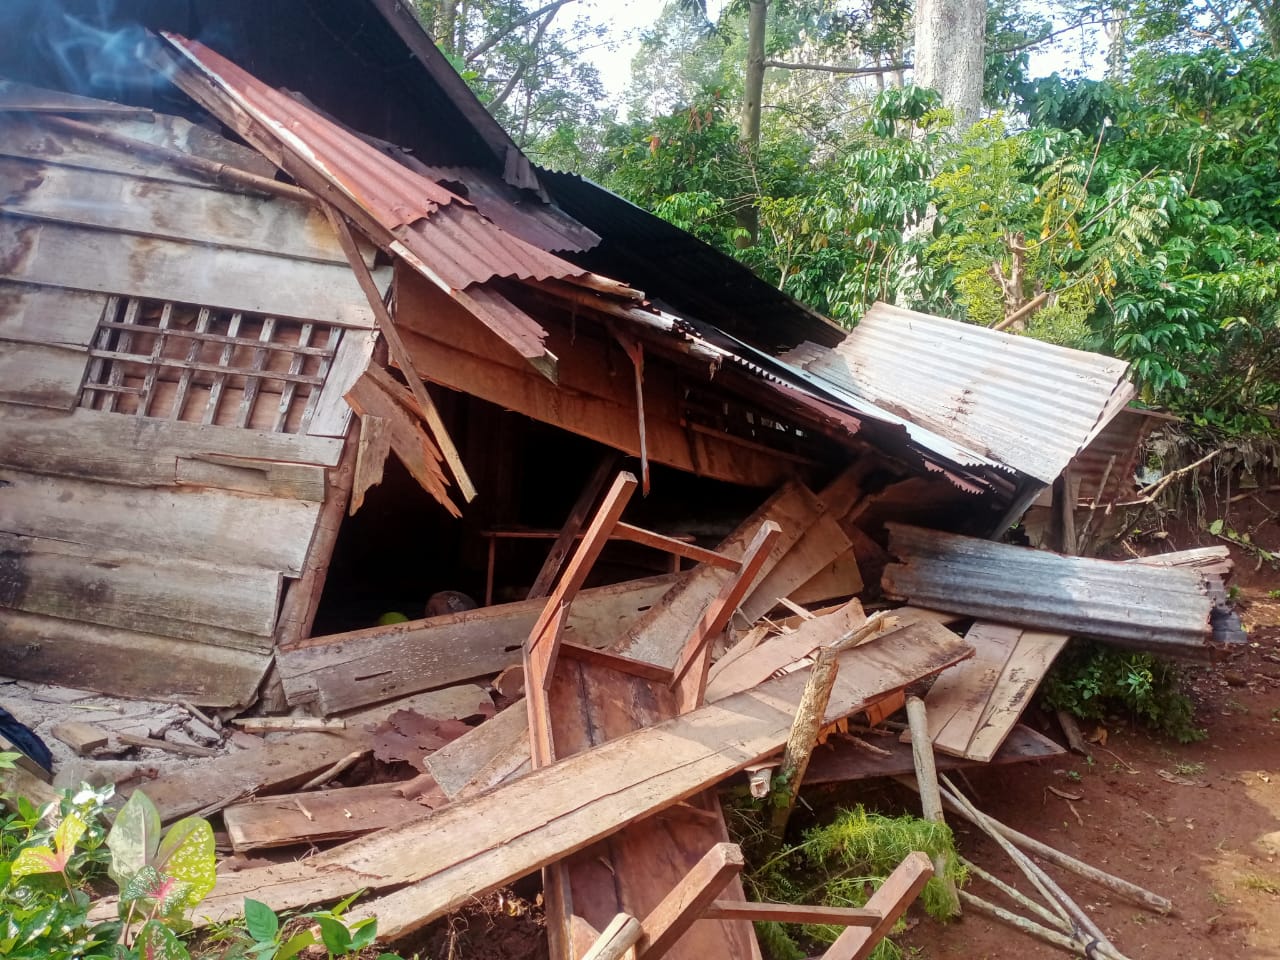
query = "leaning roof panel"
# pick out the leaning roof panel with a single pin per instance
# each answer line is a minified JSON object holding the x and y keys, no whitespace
{"x":1028,"y":404}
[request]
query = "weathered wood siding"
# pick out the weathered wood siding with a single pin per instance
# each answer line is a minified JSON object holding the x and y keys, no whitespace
{"x":148,"y":555}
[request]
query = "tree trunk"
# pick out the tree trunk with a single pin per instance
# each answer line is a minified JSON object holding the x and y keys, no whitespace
{"x":949,"y":55}
{"x":445,"y":36}
{"x":747,"y":216}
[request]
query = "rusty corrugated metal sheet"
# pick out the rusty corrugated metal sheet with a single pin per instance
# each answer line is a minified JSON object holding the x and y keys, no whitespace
{"x":1158,"y":608}
{"x":1120,"y":439}
{"x":459,"y":244}
{"x":1025,"y":403}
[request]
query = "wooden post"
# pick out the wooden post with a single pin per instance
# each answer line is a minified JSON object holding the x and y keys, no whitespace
{"x":930,"y":800}
{"x":804,"y":734}
{"x":546,"y":578}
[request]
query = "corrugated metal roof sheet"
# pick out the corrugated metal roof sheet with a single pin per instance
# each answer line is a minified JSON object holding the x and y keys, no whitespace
{"x":1159,"y":608}
{"x":1025,"y":403}
{"x":461,"y":246}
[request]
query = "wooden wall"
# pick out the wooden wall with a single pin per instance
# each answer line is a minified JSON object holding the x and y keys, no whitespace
{"x":146,"y":555}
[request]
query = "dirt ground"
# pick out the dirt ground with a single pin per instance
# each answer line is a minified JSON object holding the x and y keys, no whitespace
{"x":1211,"y":845}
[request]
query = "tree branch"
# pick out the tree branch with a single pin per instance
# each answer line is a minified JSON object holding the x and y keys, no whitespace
{"x":528,"y":61}
{"x":845,"y":69}
{"x":489,"y":42}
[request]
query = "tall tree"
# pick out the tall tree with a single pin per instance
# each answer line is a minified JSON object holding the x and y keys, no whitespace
{"x":950,"y":36}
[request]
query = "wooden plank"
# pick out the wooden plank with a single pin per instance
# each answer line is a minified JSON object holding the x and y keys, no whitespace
{"x":791,"y":913}
{"x":695,"y":657}
{"x":448,"y":346}
{"x":331,"y":415}
{"x":218,"y":527}
{"x":39,"y":375}
{"x":616,"y":941}
{"x":960,"y":695}
{"x":475,"y":845}
{"x":50,"y":315}
{"x":283,"y":764}
{"x":659,"y":636}
{"x":414,"y":448}
{"x":890,"y":901}
{"x":842,"y":761}
{"x":83,"y":738}
{"x":602,"y":658}
{"x":820,"y":545}
{"x":135,"y":450}
{"x":679,"y":548}
{"x":107,"y":261}
{"x":349,"y":670}
{"x":668,"y":921}
{"x":42,"y":190}
{"x":572,"y":529}
{"x":466,"y":761}
{"x":840,"y":578}
{"x":207,"y":603}
{"x":779,"y":653}
{"x":318,"y":816}
{"x":1018,"y":682}
{"x":125,"y":663}
{"x":266,"y":478}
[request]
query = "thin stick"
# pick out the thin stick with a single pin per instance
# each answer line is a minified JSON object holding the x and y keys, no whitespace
{"x":1029,"y":927}
{"x":342,"y":765}
{"x":876,"y":623}
{"x":1123,"y":888}
{"x":1042,"y":880}
{"x":1016,"y":896}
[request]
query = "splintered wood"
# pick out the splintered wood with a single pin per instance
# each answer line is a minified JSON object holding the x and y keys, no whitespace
{"x":475,"y":845}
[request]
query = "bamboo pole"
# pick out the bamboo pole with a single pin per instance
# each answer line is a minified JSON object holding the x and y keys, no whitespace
{"x":1017,"y":896}
{"x":930,"y":800}
{"x":1029,"y":927}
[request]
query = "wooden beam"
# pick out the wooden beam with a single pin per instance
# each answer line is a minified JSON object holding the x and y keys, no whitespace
{"x":716,"y":617}
{"x":543,"y":645}
{"x":679,"y":548}
{"x":791,"y":913}
{"x":615,"y":661}
{"x":473,"y":846}
{"x":677,"y":912}
{"x":890,"y":902}
{"x":803,"y":738}
{"x":930,"y":799}
{"x":399,"y":355}
{"x":572,"y":528}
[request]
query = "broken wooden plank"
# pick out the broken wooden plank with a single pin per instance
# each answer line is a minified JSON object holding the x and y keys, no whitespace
{"x":318,"y":816}
{"x":371,"y":458}
{"x":483,"y":757}
{"x":820,"y":545}
{"x":591,"y":491}
{"x":186,"y":750}
{"x":41,"y":375}
{"x":328,"y":413}
{"x":678,"y":911}
{"x":412,"y":445}
{"x":476,"y":846}
{"x":840,"y":578}
{"x":83,"y":738}
{"x":349,"y":670}
{"x":282,"y":764}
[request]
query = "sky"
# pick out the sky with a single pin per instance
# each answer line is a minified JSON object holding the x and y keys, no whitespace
{"x":628,"y":18}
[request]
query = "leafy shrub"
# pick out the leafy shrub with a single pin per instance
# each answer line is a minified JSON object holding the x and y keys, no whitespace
{"x":1090,"y":679}
{"x":842,"y":864}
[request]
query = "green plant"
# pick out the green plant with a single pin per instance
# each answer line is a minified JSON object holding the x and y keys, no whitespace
{"x":841,"y":864}
{"x":339,"y":938}
{"x":1090,"y":679}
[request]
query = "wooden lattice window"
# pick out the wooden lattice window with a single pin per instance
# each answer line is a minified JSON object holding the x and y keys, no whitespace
{"x":150,"y":358}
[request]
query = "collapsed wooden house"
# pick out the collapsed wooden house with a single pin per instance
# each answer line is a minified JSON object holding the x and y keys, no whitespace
{"x":274,"y":365}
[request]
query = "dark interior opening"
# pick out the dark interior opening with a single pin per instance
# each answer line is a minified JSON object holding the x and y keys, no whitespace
{"x":402,"y":547}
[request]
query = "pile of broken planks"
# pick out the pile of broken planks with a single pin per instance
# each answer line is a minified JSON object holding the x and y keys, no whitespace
{"x":640,"y":700}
